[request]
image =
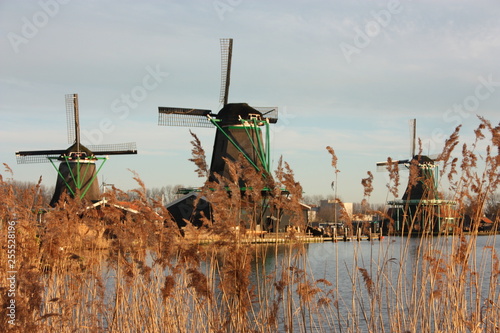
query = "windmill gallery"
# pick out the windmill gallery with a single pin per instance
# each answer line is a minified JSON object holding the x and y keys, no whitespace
{"x":242,"y":135}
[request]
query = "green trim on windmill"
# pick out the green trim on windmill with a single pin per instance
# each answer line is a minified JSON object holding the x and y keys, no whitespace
{"x":258,"y":149}
{"x":78,"y":179}
{"x":234,"y":143}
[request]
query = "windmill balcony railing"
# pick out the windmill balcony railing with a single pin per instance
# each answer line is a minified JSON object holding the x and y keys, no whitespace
{"x":430,"y":202}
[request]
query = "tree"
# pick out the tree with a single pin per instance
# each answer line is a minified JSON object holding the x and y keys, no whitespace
{"x":166,"y":193}
{"x":492,"y":206}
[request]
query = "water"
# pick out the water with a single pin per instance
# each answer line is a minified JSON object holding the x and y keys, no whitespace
{"x":400,"y":270}
{"x":394,"y":265}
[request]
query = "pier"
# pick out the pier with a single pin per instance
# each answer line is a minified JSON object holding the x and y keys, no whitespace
{"x":282,"y":237}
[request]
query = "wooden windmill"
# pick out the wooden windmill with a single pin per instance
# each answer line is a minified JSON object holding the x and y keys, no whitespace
{"x":421,"y":190}
{"x":77,"y":172}
{"x":422,"y":180}
{"x":239,"y":132}
{"x":238,"y":125}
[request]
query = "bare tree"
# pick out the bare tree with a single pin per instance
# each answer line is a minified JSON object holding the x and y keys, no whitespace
{"x":165,"y":193}
{"x":315,"y":199}
{"x":492,"y":206}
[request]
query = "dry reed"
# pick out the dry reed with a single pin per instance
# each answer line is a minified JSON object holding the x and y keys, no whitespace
{"x":127,"y":270}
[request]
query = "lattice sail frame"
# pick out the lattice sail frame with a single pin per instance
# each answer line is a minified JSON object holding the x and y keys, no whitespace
{"x":172,"y":116}
{"x":72,"y":117}
{"x":32,"y":159}
{"x":45,"y":156}
{"x":269,"y":113}
{"x":226,"y":46}
{"x":114,"y":148}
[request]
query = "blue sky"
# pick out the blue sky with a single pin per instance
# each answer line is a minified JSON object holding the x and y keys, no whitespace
{"x":345,"y":74}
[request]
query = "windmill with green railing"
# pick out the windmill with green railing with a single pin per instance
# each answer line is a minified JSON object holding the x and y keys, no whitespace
{"x":420,"y":209}
{"x":238,"y":126}
{"x":79,"y":165}
{"x":241,"y":130}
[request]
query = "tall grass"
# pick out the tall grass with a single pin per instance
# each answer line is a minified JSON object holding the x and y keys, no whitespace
{"x":113,"y":270}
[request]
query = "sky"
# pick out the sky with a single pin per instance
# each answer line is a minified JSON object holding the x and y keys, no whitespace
{"x":345,"y":74}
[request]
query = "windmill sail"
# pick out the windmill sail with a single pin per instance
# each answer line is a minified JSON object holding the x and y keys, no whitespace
{"x":413,"y":136}
{"x":37,"y":156}
{"x":382,"y":166}
{"x":44,"y":156}
{"x":269,"y":113}
{"x":114,"y":149}
{"x":168,"y":116}
{"x":73,"y":119}
{"x":226,"y":45}
{"x":421,"y":183}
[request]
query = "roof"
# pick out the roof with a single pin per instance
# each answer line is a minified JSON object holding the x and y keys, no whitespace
{"x":83,"y":149}
{"x":231,"y":113}
{"x":184,"y":197}
{"x":484,"y":219}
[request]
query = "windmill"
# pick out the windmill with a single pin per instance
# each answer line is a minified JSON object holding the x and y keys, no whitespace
{"x":238,"y":126}
{"x":422,"y":183}
{"x":77,"y":172}
{"x":422,"y":186}
{"x":238,"y":130}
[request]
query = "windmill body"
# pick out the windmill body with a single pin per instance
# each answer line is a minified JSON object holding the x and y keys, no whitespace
{"x":77,"y":172}
{"x":422,"y":182}
{"x":78,"y":169}
{"x":238,"y":134}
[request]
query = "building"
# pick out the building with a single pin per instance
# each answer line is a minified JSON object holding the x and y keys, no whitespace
{"x":332,"y":210}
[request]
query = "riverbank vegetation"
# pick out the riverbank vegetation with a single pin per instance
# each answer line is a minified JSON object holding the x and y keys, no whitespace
{"x":128,"y":268}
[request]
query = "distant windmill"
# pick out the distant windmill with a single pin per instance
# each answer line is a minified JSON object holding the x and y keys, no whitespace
{"x":104,"y":185}
{"x":238,"y":125}
{"x":422,"y":185}
{"x":422,"y":181}
{"x":77,"y":172}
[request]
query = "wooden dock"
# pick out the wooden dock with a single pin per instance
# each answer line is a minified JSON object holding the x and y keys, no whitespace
{"x":273,"y":238}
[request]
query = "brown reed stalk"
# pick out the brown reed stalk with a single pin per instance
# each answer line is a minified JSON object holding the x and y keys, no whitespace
{"x":367,"y":184}
{"x":393,"y":169}
{"x":331,"y":151}
{"x":285,"y":179}
{"x":199,"y":158}
{"x":448,"y":148}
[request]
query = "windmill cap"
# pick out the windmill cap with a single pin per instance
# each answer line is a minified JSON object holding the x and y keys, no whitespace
{"x":232,"y":112}
{"x":423,"y":159}
{"x":74,"y":149}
